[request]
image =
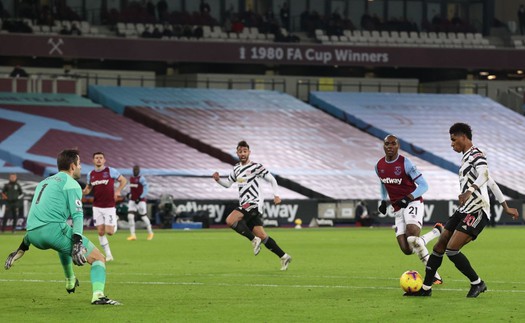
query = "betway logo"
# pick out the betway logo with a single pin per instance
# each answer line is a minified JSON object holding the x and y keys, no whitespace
{"x":100,"y":182}
{"x":389,"y":180}
{"x":216,"y":210}
{"x":285,"y":211}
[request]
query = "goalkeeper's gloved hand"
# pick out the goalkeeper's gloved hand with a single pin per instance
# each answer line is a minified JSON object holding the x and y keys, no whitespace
{"x":77,"y":253}
{"x":382,"y":207}
{"x":403,"y":203}
{"x":15,"y":255}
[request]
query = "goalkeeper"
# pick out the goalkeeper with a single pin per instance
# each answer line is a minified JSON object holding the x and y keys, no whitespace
{"x":57,"y":198}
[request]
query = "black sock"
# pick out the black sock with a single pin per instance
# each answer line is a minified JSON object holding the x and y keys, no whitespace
{"x":242,"y":229}
{"x":433,"y":263}
{"x":273,"y":247}
{"x":462,"y":263}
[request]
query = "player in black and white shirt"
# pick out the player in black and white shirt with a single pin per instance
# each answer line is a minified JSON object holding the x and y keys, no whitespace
{"x":247,"y":218}
{"x":472,"y":215}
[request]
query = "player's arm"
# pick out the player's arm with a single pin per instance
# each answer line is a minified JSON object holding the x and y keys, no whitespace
{"x":20,"y":192}
{"x":145,"y":187}
{"x":122,"y":183}
{"x":493,"y":186}
{"x":17,"y":254}
{"x":228,"y":183}
{"x":275,"y":187}
{"x":88,"y":187}
{"x":483,"y":177}
{"x":384,"y":196}
{"x":74,"y":208}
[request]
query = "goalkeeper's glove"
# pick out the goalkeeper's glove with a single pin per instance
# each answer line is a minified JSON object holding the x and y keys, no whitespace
{"x":77,"y":253}
{"x":15,"y":255}
{"x":403,"y":203}
{"x":382,"y":207}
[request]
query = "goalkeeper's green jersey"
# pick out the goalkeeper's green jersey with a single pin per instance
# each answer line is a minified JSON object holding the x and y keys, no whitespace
{"x":56,"y":199}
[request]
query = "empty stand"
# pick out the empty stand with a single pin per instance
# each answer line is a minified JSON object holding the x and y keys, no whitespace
{"x":294,"y":140}
{"x":422,"y":122}
{"x":32,"y":135}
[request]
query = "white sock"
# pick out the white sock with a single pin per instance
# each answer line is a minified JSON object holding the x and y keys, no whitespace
{"x":131,"y":221}
{"x":148,"y":223}
{"x":431,"y":235}
{"x":105,"y":244}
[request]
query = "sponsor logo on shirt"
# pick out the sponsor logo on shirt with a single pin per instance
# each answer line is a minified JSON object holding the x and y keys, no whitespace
{"x":100,"y":182}
{"x":389,"y":180}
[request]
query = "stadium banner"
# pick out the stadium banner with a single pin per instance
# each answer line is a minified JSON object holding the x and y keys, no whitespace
{"x":218,"y":210}
{"x":116,"y":48}
{"x":440,"y":211}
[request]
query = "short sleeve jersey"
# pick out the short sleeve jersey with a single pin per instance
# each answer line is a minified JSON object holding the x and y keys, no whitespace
{"x":138,"y":187}
{"x":103,"y":186}
{"x":398,"y":176}
{"x":56,"y":198}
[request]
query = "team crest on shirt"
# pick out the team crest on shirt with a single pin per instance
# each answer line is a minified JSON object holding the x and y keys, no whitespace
{"x":397,"y":170}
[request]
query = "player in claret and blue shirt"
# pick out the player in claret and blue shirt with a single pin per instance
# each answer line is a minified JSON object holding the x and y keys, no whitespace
{"x":102,"y":181}
{"x":405,"y":186}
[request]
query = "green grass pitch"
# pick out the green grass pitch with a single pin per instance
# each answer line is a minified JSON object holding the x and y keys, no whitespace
{"x":337,"y":275}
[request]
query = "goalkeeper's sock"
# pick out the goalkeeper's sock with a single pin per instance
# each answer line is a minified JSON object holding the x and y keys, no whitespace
{"x":131,"y":221}
{"x":105,"y":244}
{"x":148,"y":223}
{"x":241,"y":228}
{"x":273,"y":247}
{"x":67,"y":265}
{"x":98,"y":279}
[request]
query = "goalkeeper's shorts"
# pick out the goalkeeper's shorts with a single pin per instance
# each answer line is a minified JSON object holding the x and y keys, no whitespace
{"x":56,"y":236}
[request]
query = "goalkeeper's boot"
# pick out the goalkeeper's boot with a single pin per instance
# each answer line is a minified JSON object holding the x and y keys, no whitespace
{"x":477,"y":289}
{"x":103,"y":300}
{"x":285,"y":261}
{"x":71,"y":285}
{"x":420,"y":292}
{"x":150,"y":236}
{"x":132,"y":237}
{"x":256,"y":243}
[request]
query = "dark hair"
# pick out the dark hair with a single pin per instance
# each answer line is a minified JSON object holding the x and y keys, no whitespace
{"x":243,"y":143}
{"x":98,"y":153}
{"x":66,"y":157}
{"x":461,"y":129}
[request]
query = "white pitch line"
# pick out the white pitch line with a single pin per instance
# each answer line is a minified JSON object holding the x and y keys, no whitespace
{"x":252,"y":285}
{"x":280,"y":275}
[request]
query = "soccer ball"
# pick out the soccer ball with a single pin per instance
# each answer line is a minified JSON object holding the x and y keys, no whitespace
{"x":411,"y":281}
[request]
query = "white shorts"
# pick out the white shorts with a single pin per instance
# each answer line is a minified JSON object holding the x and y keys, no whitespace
{"x":133,"y":207}
{"x":412,"y":214}
{"x":105,"y":216}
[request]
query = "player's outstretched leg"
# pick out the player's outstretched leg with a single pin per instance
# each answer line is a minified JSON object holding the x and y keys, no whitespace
{"x":419,"y":246}
{"x":273,"y":247}
{"x":105,"y":244}
{"x":67,"y":266}
{"x":131,"y":222}
{"x":432,"y":234}
{"x":148,"y":226}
